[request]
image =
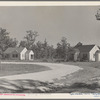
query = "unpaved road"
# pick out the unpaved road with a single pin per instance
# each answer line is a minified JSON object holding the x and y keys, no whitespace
{"x":58,"y":71}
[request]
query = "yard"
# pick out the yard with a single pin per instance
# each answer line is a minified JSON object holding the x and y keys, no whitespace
{"x":14,"y":69}
{"x":84,"y":81}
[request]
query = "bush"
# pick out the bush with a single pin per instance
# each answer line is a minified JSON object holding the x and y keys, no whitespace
{"x":59,"y":60}
{"x":44,"y":60}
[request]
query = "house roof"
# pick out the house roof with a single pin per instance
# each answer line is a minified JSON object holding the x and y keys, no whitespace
{"x":28,"y":51}
{"x":98,"y":51}
{"x":85,"y":48}
{"x":73,"y":50}
{"x":10,"y":50}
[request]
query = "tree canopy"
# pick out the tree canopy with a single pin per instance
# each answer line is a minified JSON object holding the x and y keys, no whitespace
{"x":62,"y":48}
{"x":41,"y":49}
{"x":6,"y":41}
{"x":29,"y":39}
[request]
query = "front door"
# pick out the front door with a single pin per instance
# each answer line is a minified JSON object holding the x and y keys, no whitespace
{"x":32,"y":56}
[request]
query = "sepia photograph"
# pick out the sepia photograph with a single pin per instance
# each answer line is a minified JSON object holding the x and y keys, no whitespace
{"x":49,"y":49}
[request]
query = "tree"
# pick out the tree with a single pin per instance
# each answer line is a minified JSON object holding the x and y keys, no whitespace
{"x":23,"y":44}
{"x":51,"y":52}
{"x":39,"y":50}
{"x":62,"y":48}
{"x":65,"y":47}
{"x":29,"y":39}
{"x":45,"y":49}
{"x":6,"y":41}
{"x":59,"y":50}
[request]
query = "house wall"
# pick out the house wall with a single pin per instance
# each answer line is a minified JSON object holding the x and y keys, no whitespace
{"x":28,"y":56}
{"x":31,"y":53}
{"x":22,"y":54}
{"x":7,"y":56}
{"x":11,"y":57}
{"x":92,"y":53}
{"x":97,"y":57}
{"x":81,"y":56}
{"x":14,"y":58}
{"x":76,"y":56}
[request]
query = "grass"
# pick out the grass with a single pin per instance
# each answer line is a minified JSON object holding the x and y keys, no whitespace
{"x":87,"y":64}
{"x":80,"y":81}
{"x":35,"y":60}
{"x":90,"y":70}
{"x":14,"y":69}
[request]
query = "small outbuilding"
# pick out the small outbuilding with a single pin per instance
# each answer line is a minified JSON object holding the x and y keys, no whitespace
{"x":29,"y":55}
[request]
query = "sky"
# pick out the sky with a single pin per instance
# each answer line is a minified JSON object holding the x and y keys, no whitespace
{"x":76,"y":23}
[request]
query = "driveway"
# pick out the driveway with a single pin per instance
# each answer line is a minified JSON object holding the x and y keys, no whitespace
{"x":58,"y":71}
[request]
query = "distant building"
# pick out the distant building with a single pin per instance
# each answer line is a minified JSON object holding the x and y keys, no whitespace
{"x":29,"y":55}
{"x":84,"y":53}
{"x":19,"y":53}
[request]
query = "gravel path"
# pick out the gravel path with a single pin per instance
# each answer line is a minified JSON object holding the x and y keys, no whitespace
{"x":58,"y":72}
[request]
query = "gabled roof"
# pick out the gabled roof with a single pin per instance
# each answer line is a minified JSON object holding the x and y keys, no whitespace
{"x":28,"y":51}
{"x":18,"y":49}
{"x":85,"y":48}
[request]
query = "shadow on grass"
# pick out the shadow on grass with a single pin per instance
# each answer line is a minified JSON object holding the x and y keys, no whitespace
{"x":34,"y":86}
{"x":84,"y":85}
{"x":81,"y":88}
{"x":24,"y":86}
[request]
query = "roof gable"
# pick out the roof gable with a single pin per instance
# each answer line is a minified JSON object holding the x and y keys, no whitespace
{"x":85,"y":48}
{"x":29,"y":51}
{"x":17,"y":49}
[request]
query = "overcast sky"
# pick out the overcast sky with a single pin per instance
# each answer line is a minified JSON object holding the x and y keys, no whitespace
{"x":77,"y":24}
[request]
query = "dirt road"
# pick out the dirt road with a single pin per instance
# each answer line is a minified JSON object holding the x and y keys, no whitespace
{"x":58,"y":72}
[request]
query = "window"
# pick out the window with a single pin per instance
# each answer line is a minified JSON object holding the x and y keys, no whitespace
{"x":32,"y":56}
{"x":15,"y":55}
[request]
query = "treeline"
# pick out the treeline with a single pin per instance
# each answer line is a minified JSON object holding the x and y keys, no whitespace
{"x":40,"y":49}
{"x":6,"y":41}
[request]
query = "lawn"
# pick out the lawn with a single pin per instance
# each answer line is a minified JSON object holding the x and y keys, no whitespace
{"x":79,"y":81}
{"x":14,"y":69}
{"x":83,"y":64}
{"x":82,"y":78}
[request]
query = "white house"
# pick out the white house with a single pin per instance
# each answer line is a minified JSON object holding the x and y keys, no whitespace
{"x":29,"y":55}
{"x":17,"y":53}
{"x":85,"y":53}
{"x":22,"y":54}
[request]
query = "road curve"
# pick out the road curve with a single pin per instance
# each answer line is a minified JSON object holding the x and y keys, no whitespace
{"x":58,"y":71}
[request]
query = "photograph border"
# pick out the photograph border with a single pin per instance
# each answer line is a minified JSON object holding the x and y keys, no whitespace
{"x":51,"y":3}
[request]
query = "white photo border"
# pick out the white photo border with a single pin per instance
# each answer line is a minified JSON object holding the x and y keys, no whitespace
{"x":50,"y":95}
